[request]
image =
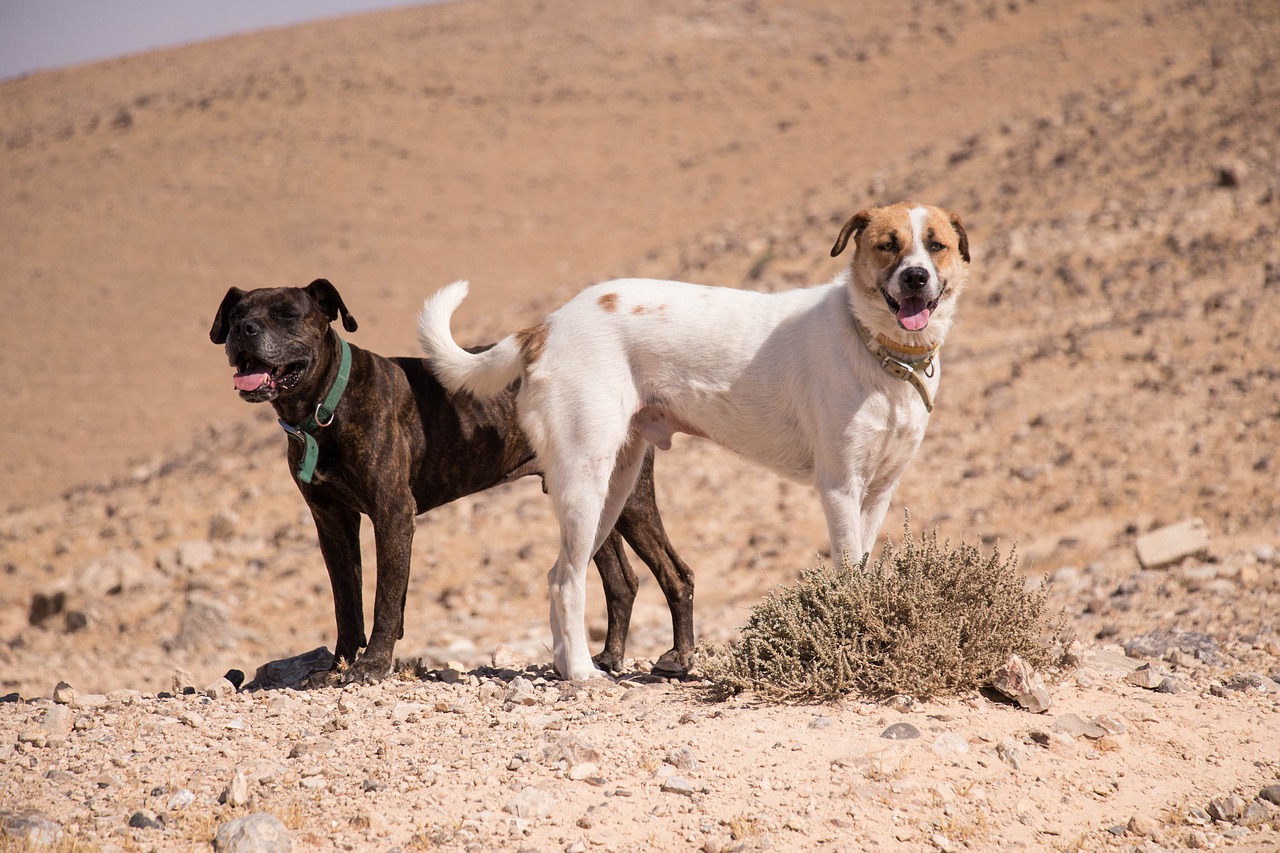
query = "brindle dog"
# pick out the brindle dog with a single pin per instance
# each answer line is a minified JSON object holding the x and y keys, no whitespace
{"x":397,"y":444}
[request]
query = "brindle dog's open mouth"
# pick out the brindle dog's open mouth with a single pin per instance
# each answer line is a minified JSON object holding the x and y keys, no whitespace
{"x":257,"y":380}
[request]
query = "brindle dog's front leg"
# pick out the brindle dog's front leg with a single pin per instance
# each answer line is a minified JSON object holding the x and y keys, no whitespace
{"x":393,"y":528}
{"x":338,"y":529}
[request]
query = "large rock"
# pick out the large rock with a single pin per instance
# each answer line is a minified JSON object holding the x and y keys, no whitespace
{"x":1018,"y":681}
{"x":30,"y":829}
{"x":1173,"y":543}
{"x":256,"y":833}
{"x":291,"y":672}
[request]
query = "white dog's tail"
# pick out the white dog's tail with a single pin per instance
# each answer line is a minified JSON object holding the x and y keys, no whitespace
{"x":481,"y":374}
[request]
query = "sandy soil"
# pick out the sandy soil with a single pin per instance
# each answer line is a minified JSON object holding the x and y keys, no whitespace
{"x":1116,"y":166}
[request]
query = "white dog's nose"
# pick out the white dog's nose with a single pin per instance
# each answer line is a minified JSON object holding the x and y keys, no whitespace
{"x":914,"y":278}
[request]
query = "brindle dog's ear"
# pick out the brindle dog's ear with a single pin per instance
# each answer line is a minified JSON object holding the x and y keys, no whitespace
{"x":327,"y":297}
{"x":218,"y":334}
{"x":851,"y":228}
{"x":964,"y":238}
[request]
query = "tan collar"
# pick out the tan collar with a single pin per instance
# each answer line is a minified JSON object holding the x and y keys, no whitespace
{"x":895,"y":359}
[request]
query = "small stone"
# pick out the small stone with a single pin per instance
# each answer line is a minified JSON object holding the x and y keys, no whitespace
{"x":900,"y":731}
{"x":1110,"y":724}
{"x":407,"y":712}
{"x":520,"y":692}
{"x":531,"y":803}
{"x":30,"y":829}
{"x":256,"y":833}
{"x":1231,"y":174}
{"x":1074,"y":725}
{"x":1146,"y":677}
{"x":64,"y":694}
{"x":1197,"y":816}
{"x":1142,"y":825}
{"x":220,"y":689}
{"x":180,"y":800}
{"x":1009,"y":753}
{"x":195,"y":554}
{"x":1107,"y":743}
{"x":1171,"y":544}
{"x":1229,"y":809}
{"x":586,"y":770}
{"x":678,"y":785}
{"x":1198,"y":839}
{"x":950,"y":743}
{"x":942,"y":843}
{"x":1247,"y":681}
{"x":311,"y":746}
{"x":682,"y":758}
{"x":1169,"y":684}
{"x":1161,"y":644}
{"x":1271,"y":794}
{"x":57,"y":723}
{"x":146,"y":819}
{"x":89,"y":700}
{"x":505,"y":657}
{"x":182,"y":682}
{"x":1019,"y":682}
{"x":237,"y":791}
{"x":1256,"y":813}
{"x":223,"y":525}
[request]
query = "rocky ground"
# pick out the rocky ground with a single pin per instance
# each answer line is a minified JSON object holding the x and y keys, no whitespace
{"x":1109,"y":377}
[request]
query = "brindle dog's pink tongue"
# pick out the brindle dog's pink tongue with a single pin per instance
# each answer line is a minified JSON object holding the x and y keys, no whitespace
{"x":913,"y":313}
{"x":250,"y":381}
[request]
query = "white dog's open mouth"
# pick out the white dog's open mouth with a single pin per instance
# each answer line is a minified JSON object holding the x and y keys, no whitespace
{"x":912,"y":311}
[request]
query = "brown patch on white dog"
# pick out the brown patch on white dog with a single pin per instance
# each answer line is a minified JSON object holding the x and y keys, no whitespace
{"x":532,"y":342}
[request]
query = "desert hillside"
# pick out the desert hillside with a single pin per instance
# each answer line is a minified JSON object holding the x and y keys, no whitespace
{"x":1117,"y":166}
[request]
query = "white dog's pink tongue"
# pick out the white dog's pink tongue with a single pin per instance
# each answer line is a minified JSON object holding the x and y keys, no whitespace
{"x":913,"y":313}
{"x":250,"y":381}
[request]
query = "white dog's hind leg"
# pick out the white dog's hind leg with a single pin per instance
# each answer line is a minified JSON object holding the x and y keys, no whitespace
{"x":587,"y":503}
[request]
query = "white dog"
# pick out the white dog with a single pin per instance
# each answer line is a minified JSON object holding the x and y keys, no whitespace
{"x":830,"y":384}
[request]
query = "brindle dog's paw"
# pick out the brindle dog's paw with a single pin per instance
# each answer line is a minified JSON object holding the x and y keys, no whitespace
{"x":321,"y":678}
{"x":673,"y":662}
{"x":365,"y":670}
{"x":608,"y":662}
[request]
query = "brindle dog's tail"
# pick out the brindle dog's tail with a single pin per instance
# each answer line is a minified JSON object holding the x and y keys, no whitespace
{"x":482,"y":374}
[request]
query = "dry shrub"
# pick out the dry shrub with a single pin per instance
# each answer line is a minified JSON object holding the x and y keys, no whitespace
{"x":925,"y":620}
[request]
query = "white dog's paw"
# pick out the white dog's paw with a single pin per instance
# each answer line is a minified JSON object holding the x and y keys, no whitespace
{"x":571,"y":672}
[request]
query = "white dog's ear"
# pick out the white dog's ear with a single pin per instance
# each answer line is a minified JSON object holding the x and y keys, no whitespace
{"x":851,"y":229}
{"x":964,"y":238}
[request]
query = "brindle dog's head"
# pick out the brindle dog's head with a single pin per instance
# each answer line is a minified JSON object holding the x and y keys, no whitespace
{"x":275,"y":335}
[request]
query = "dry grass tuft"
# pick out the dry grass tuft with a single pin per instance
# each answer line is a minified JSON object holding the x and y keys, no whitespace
{"x":925,"y":619}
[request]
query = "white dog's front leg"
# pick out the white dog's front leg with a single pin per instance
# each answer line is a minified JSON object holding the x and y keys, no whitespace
{"x":873,"y":513}
{"x":844,"y":521}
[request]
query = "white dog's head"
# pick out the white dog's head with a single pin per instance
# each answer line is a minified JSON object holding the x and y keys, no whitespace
{"x":910,"y":263}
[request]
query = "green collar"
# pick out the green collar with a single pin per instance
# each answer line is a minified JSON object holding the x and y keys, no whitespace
{"x":305,"y":431}
{"x":905,"y":369}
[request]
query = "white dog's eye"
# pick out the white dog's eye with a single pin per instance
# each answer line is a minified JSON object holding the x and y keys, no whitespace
{"x":935,"y":246}
{"x":890,"y":245}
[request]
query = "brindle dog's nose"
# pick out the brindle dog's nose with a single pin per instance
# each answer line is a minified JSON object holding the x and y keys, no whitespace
{"x":915,"y":278}
{"x":250,"y":328}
